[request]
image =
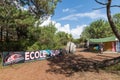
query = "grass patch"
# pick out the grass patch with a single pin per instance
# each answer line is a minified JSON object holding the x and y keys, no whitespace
{"x":114,"y":67}
{"x":1,"y":63}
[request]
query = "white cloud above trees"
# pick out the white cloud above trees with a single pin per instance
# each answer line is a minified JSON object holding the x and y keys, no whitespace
{"x":76,"y":32}
{"x":92,"y":15}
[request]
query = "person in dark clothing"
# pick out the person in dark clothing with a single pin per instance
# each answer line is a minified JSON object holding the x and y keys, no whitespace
{"x":101,"y":47}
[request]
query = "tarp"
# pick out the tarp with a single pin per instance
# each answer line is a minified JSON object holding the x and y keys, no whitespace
{"x":107,"y":39}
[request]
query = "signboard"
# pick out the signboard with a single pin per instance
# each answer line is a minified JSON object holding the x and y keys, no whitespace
{"x":10,"y":58}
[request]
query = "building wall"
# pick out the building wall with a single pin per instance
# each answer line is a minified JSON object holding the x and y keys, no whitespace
{"x":110,"y":46}
{"x":107,"y":46}
{"x":118,"y":46}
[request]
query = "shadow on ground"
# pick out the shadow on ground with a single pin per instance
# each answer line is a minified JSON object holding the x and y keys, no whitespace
{"x":69,"y":64}
{"x":89,"y":50}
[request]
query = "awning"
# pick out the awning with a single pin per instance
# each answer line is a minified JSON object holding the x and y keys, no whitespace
{"x":107,"y":39}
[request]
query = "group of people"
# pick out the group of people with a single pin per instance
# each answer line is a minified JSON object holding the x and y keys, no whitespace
{"x":99,"y":48}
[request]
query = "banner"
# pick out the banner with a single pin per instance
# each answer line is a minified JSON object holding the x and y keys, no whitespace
{"x":10,"y":58}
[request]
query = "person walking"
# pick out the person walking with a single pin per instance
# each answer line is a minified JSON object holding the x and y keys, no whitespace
{"x":101,"y":48}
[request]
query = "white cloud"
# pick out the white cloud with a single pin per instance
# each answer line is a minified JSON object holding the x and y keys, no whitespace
{"x":70,"y":10}
{"x":73,"y":9}
{"x":66,"y":10}
{"x":76,"y":32}
{"x":93,"y":15}
{"x":65,"y":28}
{"x":47,"y":22}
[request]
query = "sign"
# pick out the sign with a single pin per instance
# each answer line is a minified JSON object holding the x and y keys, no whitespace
{"x":10,"y":58}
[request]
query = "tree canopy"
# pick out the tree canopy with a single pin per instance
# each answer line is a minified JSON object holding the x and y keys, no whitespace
{"x":17,"y":30}
{"x":108,"y":5}
{"x":39,"y":8}
{"x":99,"y":29}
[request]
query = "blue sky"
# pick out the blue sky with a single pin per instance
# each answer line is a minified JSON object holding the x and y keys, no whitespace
{"x":72,"y":16}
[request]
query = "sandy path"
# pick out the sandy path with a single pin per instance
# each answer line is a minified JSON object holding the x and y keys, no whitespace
{"x":37,"y":70}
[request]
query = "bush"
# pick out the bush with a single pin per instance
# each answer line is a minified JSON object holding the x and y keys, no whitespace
{"x":113,"y":68}
{"x":34,"y":47}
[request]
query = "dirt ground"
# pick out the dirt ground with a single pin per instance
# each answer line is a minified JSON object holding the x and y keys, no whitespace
{"x":80,"y":66}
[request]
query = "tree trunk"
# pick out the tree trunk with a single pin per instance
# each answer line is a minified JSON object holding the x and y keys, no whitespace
{"x":112,"y":24}
{"x":1,"y":30}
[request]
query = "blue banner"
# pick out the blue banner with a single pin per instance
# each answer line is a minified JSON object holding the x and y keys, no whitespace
{"x":10,"y":58}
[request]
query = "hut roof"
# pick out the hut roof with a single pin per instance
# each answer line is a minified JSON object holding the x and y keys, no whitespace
{"x":107,"y":39}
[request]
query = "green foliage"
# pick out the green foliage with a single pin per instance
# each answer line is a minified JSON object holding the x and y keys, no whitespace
{"x":100,"y":28}
{"x":38,"y":8}
{"x":34,"y":47}
{"x":116,"y":19}
{"x":17,"y":31}
{"x":97,"y":29}
{"x":77,"y":41}
{"x":63,"y":37}
{"x":46,"y":38}
{"x":14,"y":22}
{"x":113,"y":68}
{"x":14,"y":28}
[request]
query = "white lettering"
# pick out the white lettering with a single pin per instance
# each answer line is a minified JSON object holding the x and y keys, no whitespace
{"x":32,"y":55}
{"x":27,"y":55}
{"x":37,"y":54}
{"x":41,"y":54}
{"x":44,"y":53}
